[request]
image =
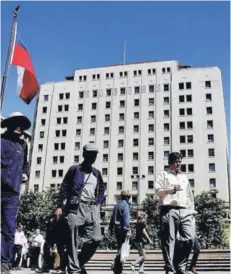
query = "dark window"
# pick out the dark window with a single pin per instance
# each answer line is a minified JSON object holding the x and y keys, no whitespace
{"x":189,"y":98}
{"x":150,"y":184}
{"x":182,"y":125}
{"x":211,"y":152}
{"x":137,"y":89}
{"x":108,"y":104}
{"x":150,"y":141}
{"x":150,"y":155}
{"x":119,"y":171}
{"x":122,"y":91}
{"x":183,"y":152}
{"x":166,"y":87}
{"x":122,"y":103}
{"x":181,"y":111}
{"x":107,"y":117}
{"x":135,"y":156}
{"x":60,"y":96}
{"x":190,"y":168}
{"x":81,"y":94}
{"x":212,"y":167}
{"x":151,"y":88}
{"x":44,"y":109}
{"x":41,"y":134}
{"x":151,"y":101}
{"x":210,"y":138}
{"x":136,"y":115}
{"x":105,"y":144}
{"x":209,"y":110}
{"x":190,"y":153}
{"x":208,"y":84}
{"x":108,"y":92}
{"x":46,"y":97}
{"x":190,"y":138}
{"x":182,"y":139}
{"x":189,"y":111}
{"x":188,"y":85}
{"x":181,"y":98}
{"x":93,"y":105}
{"x":189,"y":125}
{"x":136,"y":102}
{"x":208,"y":97}
{"x":181,"y":85}
{"x":135,"y":142}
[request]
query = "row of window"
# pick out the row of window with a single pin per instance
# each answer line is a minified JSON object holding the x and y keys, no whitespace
{"x":110,"y":75}
{"x":188,"y":85}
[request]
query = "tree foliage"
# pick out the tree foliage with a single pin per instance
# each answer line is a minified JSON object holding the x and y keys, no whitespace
{"x":209,"y":220}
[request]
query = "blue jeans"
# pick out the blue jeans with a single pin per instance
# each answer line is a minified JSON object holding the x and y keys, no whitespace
{"x":9,"y":211}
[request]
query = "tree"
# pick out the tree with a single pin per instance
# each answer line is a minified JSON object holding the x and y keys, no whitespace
{"x":36,"y":208}
{"x":209,"y":220}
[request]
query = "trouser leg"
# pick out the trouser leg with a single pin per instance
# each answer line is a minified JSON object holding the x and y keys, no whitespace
{"x":140,"y":260}
{"x":196,"y":252}
{"x":19,"y":255}
{"x":120,"y":237}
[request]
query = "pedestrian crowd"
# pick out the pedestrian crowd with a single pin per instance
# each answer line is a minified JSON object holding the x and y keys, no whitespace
{"x":78,"y":215}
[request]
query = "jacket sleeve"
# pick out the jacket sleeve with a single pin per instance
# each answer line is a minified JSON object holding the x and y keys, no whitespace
{"x":126,"y":217}
{"x":100,"y":199}
{"x":112,"y":221}
{"x":63,"y":193}
{"x":25,"y":167}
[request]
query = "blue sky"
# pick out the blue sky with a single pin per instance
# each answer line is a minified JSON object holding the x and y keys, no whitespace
{"x":64,"y":36}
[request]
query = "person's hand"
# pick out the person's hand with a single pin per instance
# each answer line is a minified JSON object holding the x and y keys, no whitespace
{"x":177,"y":188}
{"x":128,"y":233}
{"x":24,"y":177}
{"x":151,"y":242}
{"x":58,"y":212}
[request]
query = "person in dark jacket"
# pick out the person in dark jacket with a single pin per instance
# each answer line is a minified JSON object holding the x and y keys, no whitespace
{"x":120,"y":225}
{"x":14,"y":170}
{"x":81,"y":194}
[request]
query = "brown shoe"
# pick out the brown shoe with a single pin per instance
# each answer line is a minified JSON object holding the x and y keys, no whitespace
{"x":193,"y":270}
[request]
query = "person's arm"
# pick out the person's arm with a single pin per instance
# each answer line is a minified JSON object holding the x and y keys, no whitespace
{"x":111,"y":223}
{"x":146,"y":236}
{"x":190,"y":198}
{"x":100,"y":199}
{"x":25,"y":167}
{"x":126,"y":217}
{"x":161,"y":188}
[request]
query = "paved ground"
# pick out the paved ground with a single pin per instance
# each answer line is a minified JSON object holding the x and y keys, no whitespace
{"x":27,"y":271}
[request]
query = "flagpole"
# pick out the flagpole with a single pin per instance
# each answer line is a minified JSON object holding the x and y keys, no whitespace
{"x":9,"y":54}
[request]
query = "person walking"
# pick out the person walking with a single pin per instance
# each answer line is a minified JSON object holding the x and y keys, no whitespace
{"x":81,"y":195}
{"x":14,"y":171}
{"x":141,"y":233}
{"x":19,"y":242}
{"x":176,"y":204}
{"x":120,"y":225}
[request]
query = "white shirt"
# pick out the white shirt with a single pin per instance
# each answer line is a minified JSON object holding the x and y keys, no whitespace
{"x":19,"y":238}
{"x":164,"y":187}
{"x":37,"y":240}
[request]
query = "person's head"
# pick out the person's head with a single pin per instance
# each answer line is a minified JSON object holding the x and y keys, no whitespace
{"x":90,"y":152}
{"x":37,"y":231}
{"x":174,"y":161}
{"x":19,"y":228}
{"x":125,"y":195}
{"x":141,"y":217}
{"x":16,"y":123}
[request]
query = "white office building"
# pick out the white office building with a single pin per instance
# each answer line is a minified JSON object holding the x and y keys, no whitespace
{"x":136,"y":114}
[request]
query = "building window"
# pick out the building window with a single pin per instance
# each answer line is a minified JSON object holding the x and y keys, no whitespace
{"x":60,"y":96}
{"x":151,"y":71}
{"x":119,"y":171}
{"x":81,"y":94}
{"x":182,"y":125}
{"x":77,"y":145}
{"x":188,"y":85}
{"x":57,"y":133}
{"x":136,"y":115}
{"x":122,"y":103}
{"x":63,"y":145}
{"x":190,"y":168}
{"x":183,"y":152}
{"x":150,"y":141}
{"x":120,"y":143}
{"x":189,"y":125}
{"x":36,"y":188}
{"x":181,"y":111}
{"x":67,"y":95}
{"x":76,"y":158}
{"x":39,"y":160}
{"x":189,"y":98}
{"x":134,"y":200}
{"x":181,"y":86}
{"x":150,"y":170}
{"x":190,"y":153}
{"x":210,"y":124}
{"x":43,"y":122}
{"x":61,"y":159}
{"x":37,"y":174}
{"x":107,"y":117}
{"x":134,"y":185}
{"x":166,"y":153}
{"x":105,"y":144}
{"x":53,"y":173}
{"x":94,"y":93}
{"x":135,"y":128}
{"x":211,"y":152}
{"x":109,"y":75}
{"x":40,"y":147}
{"x":182,"y":139}
{"x":166,"y":126}
{"x":108,"y":104}
{"x":121,"y":116}
{"x":44,"y":109}
{"x":79,"y":119}
{"x":181,"y":98}
{"x":163,"y":70}
{"x":212,"y":182}
{"x":104,"y":171}
{"x":78,"y":132}
{"x":105,"y":157}
{"x":150,"y":114}
{"x":183,"y":168}
{"x":46,"y":97}
{"x":56,"y":146}
{"x":151,"y":128}
{"x":137,"y":90}
{"x":122,"y":91}
{"x":212,"y":167}
{"x":65,"y":120}
{"x":136,"y":102}
{"x":120,"y":157}
{"x":166,"y":87}
{"x":135,"y":156}
{"x":191,"y":182}
{"x":189,"y":111}
{"x":135,"y":170}
{"x":93,"y":118}
{"x":210,"y":138}
{"x":80,"y":107}
{"x":166,"y":140}
{"x":208,"y":97}
{"x":60,"y":108}
{"x":168,"y":70}
{"x":106,"y":130}
{"x":93,"y":105}
{"x":190,"y":138}
{"x":119,"y":185}
{"x":209,"y":110}
{"x":151,"y":88}
{"x":208,"y":84}
{"x":150,"y":155}
{"x":151,"y":101}
{"x":41,"y":134}
{"x":150,"y":185}
{"x":60,"y":173}
{"x":92,"y":131}
{"x":135,"y":142}
{"x":166,"y":100}
{"x":121,"y":130}
{"x":108,"y":92}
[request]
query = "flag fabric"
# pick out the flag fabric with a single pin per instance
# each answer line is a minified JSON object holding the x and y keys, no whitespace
{"x":27,"y":85}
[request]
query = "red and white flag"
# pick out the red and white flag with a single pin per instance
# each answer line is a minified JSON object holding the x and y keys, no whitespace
{"x":27,"y":85}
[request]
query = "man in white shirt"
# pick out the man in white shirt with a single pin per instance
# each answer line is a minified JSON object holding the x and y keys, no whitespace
{"x":37,"y":241}
{"x":176,"y":209}
{"x":19,"y":242}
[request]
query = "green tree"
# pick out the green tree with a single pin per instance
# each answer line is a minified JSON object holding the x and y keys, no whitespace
{"x":36,"y":208}
{"x":209,"y":220}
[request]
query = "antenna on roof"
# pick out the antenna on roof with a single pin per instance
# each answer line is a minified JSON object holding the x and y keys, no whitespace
{"x":124,"y":57}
